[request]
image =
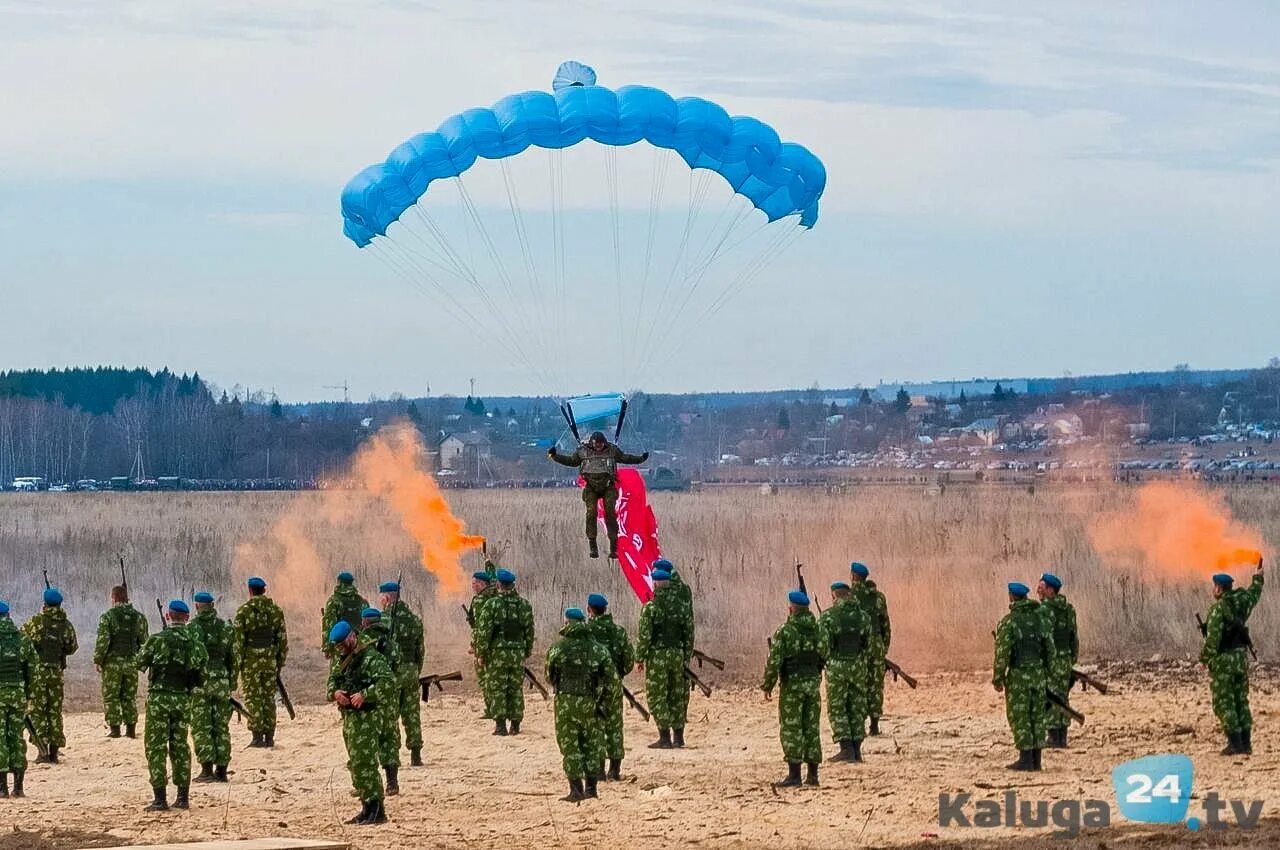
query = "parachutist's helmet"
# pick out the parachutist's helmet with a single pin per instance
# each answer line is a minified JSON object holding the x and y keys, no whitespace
{"x":597,"y":439}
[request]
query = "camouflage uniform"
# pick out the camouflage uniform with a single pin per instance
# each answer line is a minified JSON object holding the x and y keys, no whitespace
{"x":371,"y":675}
{"x":377,"y":636}
{"x":846,"y":636}
{"x":344,"y":604}
{"x":873,"y":602}
{"x":582,"y":672}
{"x":503,"y":642}
{"x":1225,"y":654}
{"x":18,"y":663}
{"x":407,"y":654}
{"x":261,"y":646}
{"x":664,"y":645}
{"x":211,"y":702}
{"x":599,"y":472}
{"x":473,"y":620}
{"x":1060,"y":621}
{"x":613,"y":638}
{"x":122,"y":630}
{"x":1024,"y":656}
{"x":175,"y":660}
{"x":795,"y":659}
{"x":54,"y":638}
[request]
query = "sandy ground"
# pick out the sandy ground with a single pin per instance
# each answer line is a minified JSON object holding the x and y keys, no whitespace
{"x":481,"y":791}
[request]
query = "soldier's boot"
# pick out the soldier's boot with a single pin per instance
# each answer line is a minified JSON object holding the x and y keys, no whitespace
{"x":1057,"y":738}
{"x":1246,"y":742}
{"x":131,"y":730}
{"x":613,"y":550}
{"x":663,"y":742}
{"x":793,"y":776}
{"x":257,"y":740}
{"x":593,"y":548}
{"x":363,"y":814}
{"x":182,"y":800}
{"x":515,"y":728}
{"x":1035,"y":759}
{"x":45,"y":756}
{"x":269,"y":739}
{"x":576,"y":792}
{"x":18,"y":776}
{"x":846,"y":752}
{"x":500,"y":726}
{"x":53,"y":755}
{"x":677,"y":737}
{"x":206,"y":772}
{"x":4,"y":786}
{"x":114,"y":732}
{"x":1233,"y":745}
{"x":1024,"y":762}
{"x":615,"y":770}
{"x":811,"y":776}
{"x":161,"y":801}
{"x":220,"y":773}
{"x":857,"y":751}
{"x":377,"y":813}
{"x":393,"y":780}
{"x":875,"y":726}
{"x":591,"y":790}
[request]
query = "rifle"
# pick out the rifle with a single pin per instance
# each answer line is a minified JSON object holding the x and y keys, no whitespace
{"x":160,"y":608}
{"x":635,"y":703}
{"x":1086,"y":681}
{"x":471,"y":620}
{"x":1061,"y":702}
{"x":694,"y":680}
{"x":805,"y":590}
{"x":41,"y":749}
{"x":533,"y":680}
{"x":700,"y":656}
{"x":284,"y":697}
{"x":124,"y":581}
{"x":46,"y":579}
{"x":899,"y":673}
{"x":436,"y":679}
{"x":239,"y":709}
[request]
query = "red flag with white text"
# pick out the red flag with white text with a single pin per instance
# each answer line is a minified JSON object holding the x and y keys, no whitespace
{"x":638,"y":544}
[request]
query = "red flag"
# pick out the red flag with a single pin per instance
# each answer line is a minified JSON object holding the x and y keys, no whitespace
{"x":638,"y":544}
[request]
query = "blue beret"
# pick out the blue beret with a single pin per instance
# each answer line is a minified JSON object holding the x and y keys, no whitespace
{"x":4,"y":608}
{"x":859,"y":569}
{"x":506,"y":576}
{"x":345,"y":577}
{"x":257,"y":583}
{"x":1052,"y":580}
{"x":52,"y":596}
{"x":177,"y":606}
{"x":204,"y":597}
{"x":1223,"y":579}
{"x":389,"y":587}
{"x":340,"y":631}
{"x":481,"y":575}
{"x":798,"y":597}
{"x":371,"y":613}
{"x":597,"y":600}
{"x":839,"y":585}
{"x":664,"y":565}
{"x":660,"y":575}
{"x":1017,"y":588}
{"x":574,"y":614}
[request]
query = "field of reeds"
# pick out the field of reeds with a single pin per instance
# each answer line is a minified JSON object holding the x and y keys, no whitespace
{"x":942,"y":559}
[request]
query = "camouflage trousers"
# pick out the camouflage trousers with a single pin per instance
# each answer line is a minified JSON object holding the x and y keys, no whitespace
{"x":504,"y":686}
{"x":667,"y":688}
{"x":874,"y":693}
{"x":482,"y":673}
{"x":388,"y":722}
{"x":1060,"y":683}
{"x":13,"y":747}
{"x":611,"y":723}
{"x":120,"y":692}
{"x":45,"y":706}
{"x":409,"y":705}
{"x":799,"y":719}
{"x":258,"y":681}
{"x":165,"y":737}
{"x":1229,"y":684}
{"x":846,"y":699}
{"x":591,"y":496}
{"x":1026,"y":708}
{"x":210,"y":720}
{"x":360,"y":731}
{"x":579,"y":736}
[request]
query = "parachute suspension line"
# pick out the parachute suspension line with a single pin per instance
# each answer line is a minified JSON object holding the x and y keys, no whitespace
{"x":611,"y":184}
{"x":554,"y":170}
{"x":661,"y":166}
{"x":536,"y":297}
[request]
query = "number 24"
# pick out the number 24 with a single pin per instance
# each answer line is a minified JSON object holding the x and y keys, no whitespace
{"x":1144,"y":789}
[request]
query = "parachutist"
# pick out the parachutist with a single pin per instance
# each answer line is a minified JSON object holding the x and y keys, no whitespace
{"x":597,"y":460}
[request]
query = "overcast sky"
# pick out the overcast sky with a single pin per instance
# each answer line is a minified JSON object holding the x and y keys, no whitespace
{"x":1014,"y":188}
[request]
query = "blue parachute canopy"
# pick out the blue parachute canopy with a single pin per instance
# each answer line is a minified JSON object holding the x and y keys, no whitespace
{"x":589,"y":409}
{"x":779,"y":178}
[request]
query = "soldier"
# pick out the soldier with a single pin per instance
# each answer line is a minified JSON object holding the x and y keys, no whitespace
{"x":597,"y":460}
{"x":796,"y":660}
{"x":482,"y":590}
{"x":664,"y":646}
{"x":845,"y":631}
{"x":873,"y":602}
{"x":613,"y":638}
{"x":18,"y":663}
{"x":1060,"y":619}
{"x":1225,"y":641}
{"x":374,"y":632}
{"x":122,"y":630}
{"x":407,"y":655}
{"x":582,"y":672}
{"x":345,"y":603}
{"x":261,"y":646}
{"x":175,"y":660}
{"x":1024,"y":655}
{"x":359,"y":680}
{"x":503,"y":642}
{"x":211,"y":702}
{"x":54,"y":638}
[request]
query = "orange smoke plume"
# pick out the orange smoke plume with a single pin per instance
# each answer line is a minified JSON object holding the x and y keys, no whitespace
{"x":390,"y":465}
{"x":1176,"y":531}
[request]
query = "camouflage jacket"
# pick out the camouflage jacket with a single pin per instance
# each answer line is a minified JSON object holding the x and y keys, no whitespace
{"x":1060,"y":619}
{"x":368,"y":673}
{"x":505,"y":623}
{"x":122,"y":630}
{"x":873,"y":602}
{"x":259,"y":629}
{"x":613,"y":638}
{"x":579,"y":665}
{"x":17,"y":665}
{"x":217,"y":636}
{"x":665,"y":623}
{"x":344,"y":604}
{"x":405,"y":630}
{"x":845,"y":631}
{"x":53,"y":636}
{"x":1229,"y":611}
{"x":1023,"y":642}
{"x":795,"y":651}
{"x":175,"y":660}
